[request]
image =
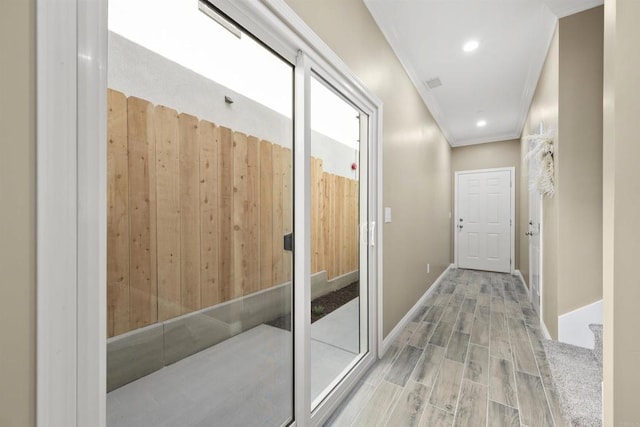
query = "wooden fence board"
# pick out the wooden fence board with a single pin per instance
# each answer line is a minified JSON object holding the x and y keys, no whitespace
{"x":266,"y":215}
{"x":117,"y":216}
{"x":252,"y":217}
{"x":287,"y":208}
{"x":189,"y":213}
{"x":209,"y":255}
{"x":225,"y":212}
{"x":278,"y":261}
{"x":240,"y":214}
{"x":142,"y":213}
{"x":320,"y":229}
{"x":168,"y":216}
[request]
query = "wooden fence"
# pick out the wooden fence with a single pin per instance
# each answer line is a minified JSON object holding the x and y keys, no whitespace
{"x":196,"y":214}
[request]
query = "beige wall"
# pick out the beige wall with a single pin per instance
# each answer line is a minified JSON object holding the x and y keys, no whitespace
{"x":579,"y":155}
{"x":417,"y":158}
{"x":486,"y":156}
{"x":621,"y":212}
{"x":569,"y":99}
{"x":544,"y":109}
{"x":17,"y":214}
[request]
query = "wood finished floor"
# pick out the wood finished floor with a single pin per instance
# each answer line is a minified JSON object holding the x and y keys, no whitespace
{"x":471,"y":356}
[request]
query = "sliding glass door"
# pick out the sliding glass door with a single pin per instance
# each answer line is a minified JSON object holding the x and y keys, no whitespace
{"x":200,"y":208}
{"x":203,"y":280}
{"x":339,"y":292}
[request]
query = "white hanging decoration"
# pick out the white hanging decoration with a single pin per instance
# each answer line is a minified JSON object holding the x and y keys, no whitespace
{"x":542,"y":151}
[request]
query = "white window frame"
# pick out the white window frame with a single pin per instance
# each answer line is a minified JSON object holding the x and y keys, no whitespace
{"x":71,"y":199}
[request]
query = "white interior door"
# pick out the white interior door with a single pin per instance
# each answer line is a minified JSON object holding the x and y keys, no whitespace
{"x":484,"y":220}
{"x":535,"y":238}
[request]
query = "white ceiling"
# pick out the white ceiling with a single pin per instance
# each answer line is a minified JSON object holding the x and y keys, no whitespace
{"x":495,"y":82}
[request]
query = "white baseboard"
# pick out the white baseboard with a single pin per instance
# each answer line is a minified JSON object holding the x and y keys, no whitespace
{"x":573,"y":327}
{"x":545,"y":331}
{"x":397,"y":330}
{"x":519,"y":275}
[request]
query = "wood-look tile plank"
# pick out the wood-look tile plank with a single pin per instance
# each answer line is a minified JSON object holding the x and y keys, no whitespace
{"x":554,"y":406}
{"x":499,"y":329}
{"x":472,"y":407}
{"x":457,"y":349}
{"x":441,"y":335}
{"x":502,"y":387}
{"x":513,"y":309}
{"x":352,"y":406}
{"x":485,"y":288}
{"x":458,"y":298}
{"x":451,"y":313}
{"x":376,"y":411}
{"x":434,"y":314}
{"x":469,"y":305}
{"x":422,"y":334}
{"x":410,"y":405}
{"x":428,"y":366}
{"x":521,"y":347}
{"x":435,"y":417}
{"x":501,"y":349}
{"x":464,"y":323}
{"x":447,"y":386}
{"x":477,"y":366}
{"x":443,"y":299}
{"x":448,"y":288}
{"x":403,"y":366}
{"x":534,"y":409}
{"x":483,"y":300}
{"x":497,"y":304}
{"x":517,"y":329}
{"x":480,"y":331}
{"x":419,"y":314}
{"x":502,"y":416}
{"x":523,"y":355}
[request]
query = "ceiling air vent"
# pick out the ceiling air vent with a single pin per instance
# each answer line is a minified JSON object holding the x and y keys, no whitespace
{"x":433,"y":83}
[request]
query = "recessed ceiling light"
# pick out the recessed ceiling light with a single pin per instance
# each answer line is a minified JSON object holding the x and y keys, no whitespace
{"x":470,"y":46}
{"x":481,"y":123}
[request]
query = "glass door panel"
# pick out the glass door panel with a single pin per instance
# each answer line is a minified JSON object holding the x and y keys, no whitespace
{"x":199,"y":284}
{"x":338,"y":261}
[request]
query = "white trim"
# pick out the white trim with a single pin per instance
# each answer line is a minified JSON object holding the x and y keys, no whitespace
{"x":302,"y":240}
{"x":519,"y":275}
{"x":545,"y":331}
{"x":71,"y":196}
{"x":573,"y":327}
{"x":57,"y":210}
{"x":512,"y":225}
{"x":92,"y":213}
{"x":397,"y":330}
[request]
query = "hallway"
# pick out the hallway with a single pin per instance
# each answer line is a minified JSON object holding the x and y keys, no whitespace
{"x":472,"y":356}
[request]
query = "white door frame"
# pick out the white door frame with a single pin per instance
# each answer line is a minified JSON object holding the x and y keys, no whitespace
{"x":71,"y":199}
{"x":512,"y":223}
{"x":541,"y":265}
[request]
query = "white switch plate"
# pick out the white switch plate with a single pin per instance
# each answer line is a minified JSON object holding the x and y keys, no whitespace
{"x":387,"y":214}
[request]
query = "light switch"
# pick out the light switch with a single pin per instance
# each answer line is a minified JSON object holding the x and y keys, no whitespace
{"x":387,"y":214}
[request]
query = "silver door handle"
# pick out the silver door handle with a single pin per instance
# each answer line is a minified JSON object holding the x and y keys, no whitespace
{"x":460,"y":226}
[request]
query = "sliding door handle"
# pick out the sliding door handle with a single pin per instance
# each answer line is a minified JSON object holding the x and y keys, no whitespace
{"x":288,"y":242}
